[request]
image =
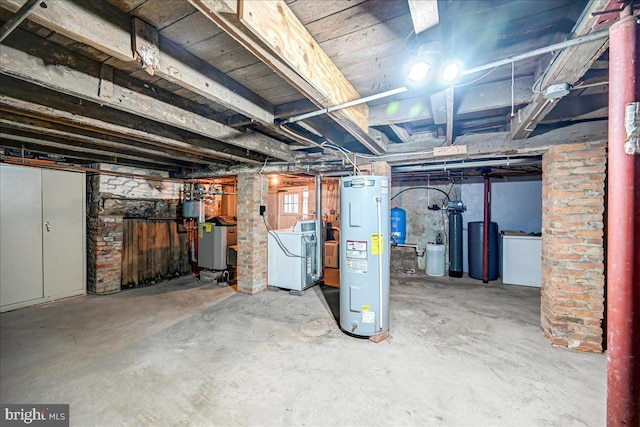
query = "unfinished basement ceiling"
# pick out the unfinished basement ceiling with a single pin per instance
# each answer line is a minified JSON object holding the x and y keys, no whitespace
{"x":72,"y":89}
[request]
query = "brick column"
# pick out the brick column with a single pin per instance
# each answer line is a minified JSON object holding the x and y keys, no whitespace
{"x":104,"y":263}
{"x":252,"y":233}
{"x":572,"y":295}
{"x":381,"y":169}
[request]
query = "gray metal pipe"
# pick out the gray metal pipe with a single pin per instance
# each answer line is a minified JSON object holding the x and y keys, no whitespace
{"x":346,"y":105}
{"x":536,"y":52}
{"x":465,"y":165}
{"x":17,"y":19}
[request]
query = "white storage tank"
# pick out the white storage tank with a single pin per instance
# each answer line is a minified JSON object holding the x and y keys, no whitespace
{"x":364,"y":255}
{"x":435,"y":259}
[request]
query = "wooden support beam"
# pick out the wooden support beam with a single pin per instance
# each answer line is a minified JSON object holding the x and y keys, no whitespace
{"x":424,"y":14}
{"x":66,"y":110}
{"x":117,"y":145}
{"x":401,"y":133}
{"x":145,"y":45}
{"x":273,"y":22}
{"x":500,"y":144}
{"x":567,"y":66}
{"x":487,"y":145}
{"x":104,"y":27}
{"x":315,"y":89}
{"x":47,"y":141}
{"x":224,"y":6}
{"x":16,"y":62}
{"x":41,"y":146}
{"x":473,"y":99}
{"x":449,"y":96}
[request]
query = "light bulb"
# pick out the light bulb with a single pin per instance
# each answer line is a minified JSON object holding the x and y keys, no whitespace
{"x":451,"y":72}
{"x":418,"y":71}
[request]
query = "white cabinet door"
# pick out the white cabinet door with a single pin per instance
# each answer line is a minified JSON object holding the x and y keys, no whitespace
{"x":63,"y":225}
{"x":20,"y":234}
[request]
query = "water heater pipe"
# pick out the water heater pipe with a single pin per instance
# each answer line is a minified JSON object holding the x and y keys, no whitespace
{"x":378,"y":203}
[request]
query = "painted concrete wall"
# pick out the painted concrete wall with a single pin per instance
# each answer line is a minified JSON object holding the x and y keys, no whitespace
{"x":515,"y":205}
{"x":423,"y":225}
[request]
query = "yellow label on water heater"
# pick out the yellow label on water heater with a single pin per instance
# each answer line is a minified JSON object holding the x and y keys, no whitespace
{"x":377,"y":244}
{"x":208,"y":227}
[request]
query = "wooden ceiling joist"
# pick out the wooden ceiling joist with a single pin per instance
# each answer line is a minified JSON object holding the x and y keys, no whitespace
{"x":63,"y":110}
{"x":474,"y":99}
{"x":271,"y":31}
{"x":117,"y":145}
{"x":568,"y":66}
{"x":107,"y":29}
{"x":16,"y":62}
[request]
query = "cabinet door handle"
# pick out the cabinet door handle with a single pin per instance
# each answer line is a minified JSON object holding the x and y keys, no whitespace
{"x":48,"y":226}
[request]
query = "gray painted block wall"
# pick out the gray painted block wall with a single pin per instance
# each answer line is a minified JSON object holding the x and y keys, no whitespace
{"x":515,"y":205}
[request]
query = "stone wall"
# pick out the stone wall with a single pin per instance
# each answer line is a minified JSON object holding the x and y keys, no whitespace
{"x":112,"y":197}
{"x":573,"y":197}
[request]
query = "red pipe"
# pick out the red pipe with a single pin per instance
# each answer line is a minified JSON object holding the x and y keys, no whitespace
{"x":487,"y":222}
{"x":623,"y":306}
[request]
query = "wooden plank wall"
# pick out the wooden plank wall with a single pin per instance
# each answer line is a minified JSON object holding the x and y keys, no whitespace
{"x":152,"y":250}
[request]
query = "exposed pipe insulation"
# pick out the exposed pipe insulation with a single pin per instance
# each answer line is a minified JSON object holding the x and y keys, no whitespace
{"x":623,"y":233}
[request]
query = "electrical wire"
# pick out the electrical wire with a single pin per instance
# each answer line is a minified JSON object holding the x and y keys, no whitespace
{"x":478,"y":79}
{"x":332,"y":148}
{"x":421,"y":188}
{"x":277,"y":239}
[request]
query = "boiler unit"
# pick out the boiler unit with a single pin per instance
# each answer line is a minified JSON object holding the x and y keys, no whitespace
{"x":293,"y":257}
{"x":364,"y":255}
{"x":217,"y":243}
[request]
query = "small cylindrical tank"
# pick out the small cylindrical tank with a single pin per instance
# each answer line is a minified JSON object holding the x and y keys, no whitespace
{"x":435,"y":259}
{"x":364,"y":255}
{"x":191,"y":209}
{"x":398,"y":225}
{"x":476,"y":249}
{"x":455,"y":244}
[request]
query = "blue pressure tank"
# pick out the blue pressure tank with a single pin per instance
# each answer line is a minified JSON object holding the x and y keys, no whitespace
{"x":398,"y":225}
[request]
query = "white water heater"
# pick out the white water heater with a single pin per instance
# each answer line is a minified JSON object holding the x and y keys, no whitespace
{"x":364,"y":255}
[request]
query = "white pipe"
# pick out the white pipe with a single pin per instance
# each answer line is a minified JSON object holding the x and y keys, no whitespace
{"x":347,"y":104}
{"x":380,"y":247}
{"x":536,"y":52}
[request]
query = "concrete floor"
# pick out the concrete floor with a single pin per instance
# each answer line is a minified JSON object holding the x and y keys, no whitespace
{"x":460,"y":354}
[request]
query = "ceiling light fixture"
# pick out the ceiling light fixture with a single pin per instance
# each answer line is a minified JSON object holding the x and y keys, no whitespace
{"x":451,"y":71}
{"x":418,"y":71}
